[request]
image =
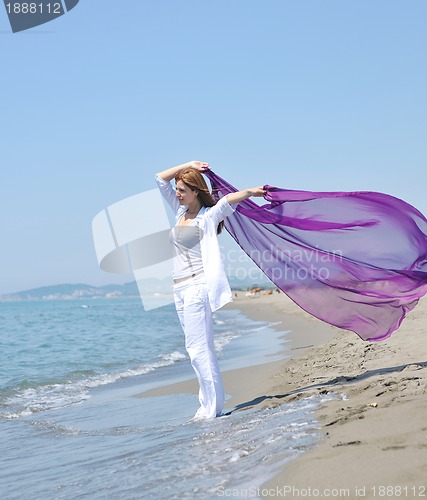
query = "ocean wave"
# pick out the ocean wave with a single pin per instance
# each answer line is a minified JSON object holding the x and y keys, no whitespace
{"x":220,"y":341}
{"x":29,"y":397}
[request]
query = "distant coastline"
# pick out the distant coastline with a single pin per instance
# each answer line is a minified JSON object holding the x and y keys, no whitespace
{"x":72,"y":292}
{"x":81,"y":291}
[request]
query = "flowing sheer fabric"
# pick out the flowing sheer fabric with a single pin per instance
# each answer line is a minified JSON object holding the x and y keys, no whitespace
{"x":355,"y":260}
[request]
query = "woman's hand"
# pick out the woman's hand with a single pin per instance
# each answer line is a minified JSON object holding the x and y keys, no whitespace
{"x":198,"y":165}
{"x":170,"y":173}
{"x":257,"y":191}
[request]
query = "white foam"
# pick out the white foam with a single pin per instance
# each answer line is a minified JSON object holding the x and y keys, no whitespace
{"x":46,"y":397}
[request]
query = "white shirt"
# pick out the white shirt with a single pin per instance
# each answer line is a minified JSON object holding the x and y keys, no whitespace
{"x":208,"y":218}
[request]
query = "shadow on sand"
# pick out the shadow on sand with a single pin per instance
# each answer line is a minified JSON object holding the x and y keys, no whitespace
{"x":343,"y":380}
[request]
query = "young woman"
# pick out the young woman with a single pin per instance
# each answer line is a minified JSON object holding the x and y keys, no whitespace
{"x":200,"y":283}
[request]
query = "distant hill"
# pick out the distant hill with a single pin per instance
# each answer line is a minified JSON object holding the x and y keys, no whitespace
{"x":74,"y":291}
{"x":69,"y":291}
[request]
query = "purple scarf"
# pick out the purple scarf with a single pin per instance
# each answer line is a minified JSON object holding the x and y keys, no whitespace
{"x":355,"y":260}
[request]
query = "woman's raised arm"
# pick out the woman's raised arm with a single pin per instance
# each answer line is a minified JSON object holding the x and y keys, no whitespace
{"x":239,"y":196}
{"x":169,"y":174}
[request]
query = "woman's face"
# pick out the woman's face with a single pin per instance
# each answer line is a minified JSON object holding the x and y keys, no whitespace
{"x":185,"y":194}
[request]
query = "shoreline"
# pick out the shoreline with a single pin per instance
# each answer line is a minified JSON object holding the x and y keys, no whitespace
{"x":376,"y":436}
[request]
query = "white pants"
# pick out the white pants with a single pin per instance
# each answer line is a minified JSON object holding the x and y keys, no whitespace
{"x":196,"y":318}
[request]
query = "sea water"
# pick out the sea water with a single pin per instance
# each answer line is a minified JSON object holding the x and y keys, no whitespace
{"x":72,"y":427}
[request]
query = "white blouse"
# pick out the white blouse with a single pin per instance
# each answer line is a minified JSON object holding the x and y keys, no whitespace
{"x":208,"y":218}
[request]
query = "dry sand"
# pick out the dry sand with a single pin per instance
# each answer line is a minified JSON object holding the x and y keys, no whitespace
{"x":375,"y":435}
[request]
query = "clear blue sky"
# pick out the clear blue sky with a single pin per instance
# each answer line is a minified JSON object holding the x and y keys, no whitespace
{"x":307,"y":94}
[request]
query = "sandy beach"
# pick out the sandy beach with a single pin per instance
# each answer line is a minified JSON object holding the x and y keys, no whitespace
{"x":374,"y":433}
{"x":375,"y":438}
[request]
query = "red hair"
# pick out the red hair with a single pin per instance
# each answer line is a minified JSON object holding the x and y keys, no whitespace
{"x":192,"y":178}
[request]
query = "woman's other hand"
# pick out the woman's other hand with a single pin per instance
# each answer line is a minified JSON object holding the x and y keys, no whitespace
{"x":257,"y":191}
{"x":239,"y":196}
